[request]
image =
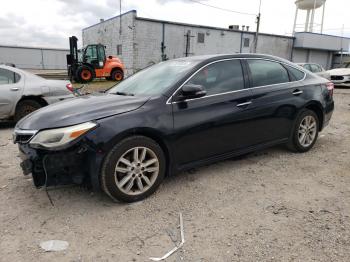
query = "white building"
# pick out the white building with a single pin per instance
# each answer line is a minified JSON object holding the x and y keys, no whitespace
{"x":34,"y":57}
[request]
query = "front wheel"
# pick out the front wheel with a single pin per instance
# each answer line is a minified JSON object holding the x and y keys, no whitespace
{"x":133,"y":169}
{"x":305,"y":132}
{"x":84,"y":74}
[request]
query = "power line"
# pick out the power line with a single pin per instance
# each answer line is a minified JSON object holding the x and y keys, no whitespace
{"x":222,"y":9}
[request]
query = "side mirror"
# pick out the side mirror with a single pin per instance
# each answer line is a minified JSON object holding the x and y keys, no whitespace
{"x":190,"y":91}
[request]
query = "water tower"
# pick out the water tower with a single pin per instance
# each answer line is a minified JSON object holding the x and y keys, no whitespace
{"x":310,"y":6}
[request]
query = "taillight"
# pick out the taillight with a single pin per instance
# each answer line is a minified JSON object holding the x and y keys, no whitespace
{"x":330,"y":88}
{"x":70,"y":87}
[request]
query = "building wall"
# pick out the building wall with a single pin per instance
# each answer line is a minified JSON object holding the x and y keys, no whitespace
{"x":34,"y":58}
{"x":108,"y":33}
{"x":142,"y":38}
{"x":275,"y":45}
{"x":321,"y":57}
{"x":149,"y":36}
{"x":321,"y":41}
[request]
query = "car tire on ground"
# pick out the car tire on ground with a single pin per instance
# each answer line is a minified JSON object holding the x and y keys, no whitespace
{"x":25,"y":108}
{"x":117,"y":75}
{"x":133,"y":169}
{"x":305,"y":132}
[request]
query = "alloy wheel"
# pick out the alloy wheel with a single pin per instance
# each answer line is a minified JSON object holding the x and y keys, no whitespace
{"x":307,"y":131}
{"x":136,"y":170}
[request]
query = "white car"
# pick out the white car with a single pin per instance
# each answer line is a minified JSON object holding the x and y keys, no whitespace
{"x":340,"y":76}
{"x":22,"y":92}
{"x":316,"y":69}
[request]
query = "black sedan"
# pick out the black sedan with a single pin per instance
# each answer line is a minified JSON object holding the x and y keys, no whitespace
{"x":173,"y":116}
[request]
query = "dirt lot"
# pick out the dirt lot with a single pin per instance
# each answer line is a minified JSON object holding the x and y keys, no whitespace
{"x":268,"y":206}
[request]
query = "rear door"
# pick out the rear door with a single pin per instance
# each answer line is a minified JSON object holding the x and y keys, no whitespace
{"x":218,"y":122}
{"x":276,"y":90}
{"x":11,"y":89}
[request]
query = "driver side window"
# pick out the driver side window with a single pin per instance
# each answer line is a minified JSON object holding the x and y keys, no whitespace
{"x":220,"y":77}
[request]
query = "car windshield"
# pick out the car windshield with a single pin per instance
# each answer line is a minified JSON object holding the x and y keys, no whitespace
{"x":153,"y":80}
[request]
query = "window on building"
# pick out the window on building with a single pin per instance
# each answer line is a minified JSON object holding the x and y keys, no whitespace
{"x":200,"y":38}
{"x":246,"y":42}
{"x":265,"y":72}
{"x":8,"y":77}
{"x":220,"y":77}
{"x":119,"y":49}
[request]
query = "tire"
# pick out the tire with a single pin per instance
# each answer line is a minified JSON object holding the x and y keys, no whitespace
{"x":117,"y":75}
{"x":308,"y":119}
{"x":25,"y":108}
{"x":119,"y":164}
{"x":84,"y":74}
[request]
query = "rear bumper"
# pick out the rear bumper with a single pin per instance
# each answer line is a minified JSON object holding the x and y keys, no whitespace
{"x":328,"y":114}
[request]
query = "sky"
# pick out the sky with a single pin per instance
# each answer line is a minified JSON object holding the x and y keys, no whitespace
{"x":49,"y":23}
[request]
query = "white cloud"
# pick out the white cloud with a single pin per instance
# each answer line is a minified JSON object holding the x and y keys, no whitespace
{"x":50,"y":22}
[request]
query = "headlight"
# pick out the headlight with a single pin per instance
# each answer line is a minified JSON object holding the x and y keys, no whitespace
{"x":60,"y":136}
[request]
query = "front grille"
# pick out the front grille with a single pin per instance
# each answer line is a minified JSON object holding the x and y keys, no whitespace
{"x":23,"y":136}
{"x":337,"y":77}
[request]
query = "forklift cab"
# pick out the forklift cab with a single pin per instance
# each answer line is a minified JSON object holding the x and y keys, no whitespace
{"x":95,"y":55}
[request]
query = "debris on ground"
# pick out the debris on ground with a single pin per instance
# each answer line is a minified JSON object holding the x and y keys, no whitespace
{"x":54,"y":245}
{"x":176,"y":246}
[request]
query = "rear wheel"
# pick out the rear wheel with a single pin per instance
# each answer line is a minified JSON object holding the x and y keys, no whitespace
{"x":117,"y":75}
{"x":84,"y":74}
{"x":25,"y":108}
{"x":305,"y":132}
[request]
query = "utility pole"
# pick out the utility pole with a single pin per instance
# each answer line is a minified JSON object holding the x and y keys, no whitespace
{"x":341,"y":45}
{"x":258,"y":18}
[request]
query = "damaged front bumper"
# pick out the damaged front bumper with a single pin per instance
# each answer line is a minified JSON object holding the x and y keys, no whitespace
{"x":52,"y":168}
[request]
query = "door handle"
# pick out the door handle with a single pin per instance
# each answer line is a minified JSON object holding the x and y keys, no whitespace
{"x":14,"y":89}
{"x":244,"y":104}
{"x":297,"y":92}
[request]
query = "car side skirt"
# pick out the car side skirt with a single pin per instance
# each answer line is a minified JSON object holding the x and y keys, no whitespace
{"x":228,"y":155}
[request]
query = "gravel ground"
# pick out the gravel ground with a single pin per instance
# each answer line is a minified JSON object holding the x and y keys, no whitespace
{"x":271,"y":205}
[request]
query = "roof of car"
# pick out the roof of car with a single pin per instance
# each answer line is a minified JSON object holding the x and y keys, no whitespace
{"x":208,"y":58}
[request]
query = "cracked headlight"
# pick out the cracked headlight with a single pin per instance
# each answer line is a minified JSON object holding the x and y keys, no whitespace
{"x":58,"y":137}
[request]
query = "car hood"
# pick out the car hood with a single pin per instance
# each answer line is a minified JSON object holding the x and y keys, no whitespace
{"x":339,"y":71}
{"x":79,"y":110}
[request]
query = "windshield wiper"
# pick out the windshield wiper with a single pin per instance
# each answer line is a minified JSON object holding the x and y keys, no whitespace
{"x":123,"y":94}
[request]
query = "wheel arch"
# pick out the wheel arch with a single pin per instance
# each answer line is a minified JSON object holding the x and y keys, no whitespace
{"x":36,"y":98}
{"x":317,"y":108}
{"x":146,"y":132}
{"x":114,"y":68}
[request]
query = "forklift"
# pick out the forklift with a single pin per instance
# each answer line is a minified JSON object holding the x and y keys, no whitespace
{"x":91,"y":62}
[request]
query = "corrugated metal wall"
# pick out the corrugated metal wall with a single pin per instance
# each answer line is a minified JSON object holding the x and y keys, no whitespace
{"x":34,"y":58}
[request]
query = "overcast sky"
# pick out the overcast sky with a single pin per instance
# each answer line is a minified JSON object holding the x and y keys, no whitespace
{"x":48,"y":23}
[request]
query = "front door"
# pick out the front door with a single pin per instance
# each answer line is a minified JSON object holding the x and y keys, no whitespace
{"x":218,"y":122}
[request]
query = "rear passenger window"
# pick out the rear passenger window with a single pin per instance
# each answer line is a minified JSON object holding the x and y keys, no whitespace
{"x":220,"y":77}
{"x":8,"y":77}
{"x":295,"y":74}
{"x":265,"y":72}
